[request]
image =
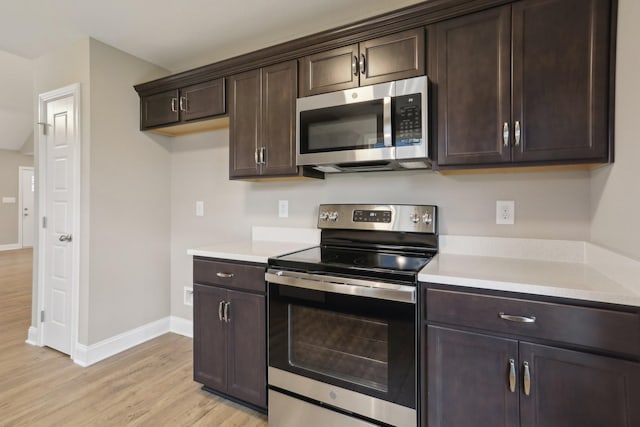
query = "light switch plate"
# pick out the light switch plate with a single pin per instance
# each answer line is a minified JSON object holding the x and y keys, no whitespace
{"x":283,"y":208}
{"x":199,"y":208}
{"x":8,"y":200}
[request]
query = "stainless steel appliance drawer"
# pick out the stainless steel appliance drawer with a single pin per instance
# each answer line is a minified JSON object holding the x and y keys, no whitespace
{"x":287,"y":411}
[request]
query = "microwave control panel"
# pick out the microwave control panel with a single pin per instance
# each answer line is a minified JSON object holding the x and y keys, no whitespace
{"x":407,"y":119}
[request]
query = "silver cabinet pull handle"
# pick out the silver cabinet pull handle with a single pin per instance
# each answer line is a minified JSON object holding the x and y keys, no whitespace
{"x":65,"y":238}
{"x":505,"y":134}
{"x":363,"y":64}
{"x":183,"y":103}
{"x":263,"y":151}
{"x":220,"y":315}
{"x":527,"y":379}
{"x":517,"y":133}
{"x":354,"y":65}
{"x":224,"y":275}
{"x":519,"y":319}
{"x":174,"y":108}
{"x":227,"y":318}
{"x":255,"y":155}
{"x":512,"y":375}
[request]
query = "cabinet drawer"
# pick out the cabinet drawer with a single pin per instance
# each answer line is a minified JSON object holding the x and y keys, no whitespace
{"x":611,"y":330}
{"x":230,"y":275}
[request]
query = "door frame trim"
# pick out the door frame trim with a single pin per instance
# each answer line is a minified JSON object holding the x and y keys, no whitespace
{"x":72,"y":90}
{"x":21,"y":203}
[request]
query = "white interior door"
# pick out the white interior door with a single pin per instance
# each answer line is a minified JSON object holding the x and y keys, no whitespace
{"x":60,"y":146}
{"x":27,"y":199}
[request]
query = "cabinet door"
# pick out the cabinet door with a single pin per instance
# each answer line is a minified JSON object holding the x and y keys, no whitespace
{"x":159,"y":109}
{"x":244,"y":123}
{"x":247,"y":375}
{"x":574,"y":389}
{"x":394,"y":57}
{"x":279,"y":93}
{"x":472,"y":79}
{"x":560,"y":79}
{"x":329,"y":71}
{"x":209,"y":338}
{"x":202,"y":100}
{"x":468,"y":379}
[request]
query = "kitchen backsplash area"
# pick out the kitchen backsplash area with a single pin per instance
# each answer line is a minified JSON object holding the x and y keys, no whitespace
{"x":549,"y":205}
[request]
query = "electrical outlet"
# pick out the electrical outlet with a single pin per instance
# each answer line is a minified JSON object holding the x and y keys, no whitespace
{"x":199,"y":208}
{"x":188,"y":296}
{"x":505,"y":212}
{"x":283,"y":208}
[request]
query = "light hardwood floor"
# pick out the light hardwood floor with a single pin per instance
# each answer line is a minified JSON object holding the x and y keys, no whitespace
{"x":149,"y":385}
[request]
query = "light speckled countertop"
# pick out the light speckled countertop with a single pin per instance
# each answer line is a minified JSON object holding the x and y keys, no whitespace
{"x":249,"y":251}
{"x":575,"y":270}
{"x":557,"y":268}
{"x":265,"y":242}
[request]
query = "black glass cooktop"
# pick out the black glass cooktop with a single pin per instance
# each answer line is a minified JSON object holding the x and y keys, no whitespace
{"x":380,"y":264}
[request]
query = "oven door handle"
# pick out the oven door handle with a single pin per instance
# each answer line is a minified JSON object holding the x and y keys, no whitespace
{"x":342,"y":285}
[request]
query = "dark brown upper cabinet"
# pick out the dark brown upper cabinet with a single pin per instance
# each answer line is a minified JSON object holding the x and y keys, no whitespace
{"x":523,"y":84}
{"x":262,"y":117}
{"x":393,"y":57}
{"x":182,"y":106}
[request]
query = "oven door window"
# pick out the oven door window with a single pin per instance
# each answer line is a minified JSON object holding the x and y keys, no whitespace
{"x":362,"y":344}
{"x":343,"y":346}
{"x":344,"y":127}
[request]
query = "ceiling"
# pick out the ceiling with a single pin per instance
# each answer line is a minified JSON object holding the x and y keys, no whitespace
{"x":176,"y":35}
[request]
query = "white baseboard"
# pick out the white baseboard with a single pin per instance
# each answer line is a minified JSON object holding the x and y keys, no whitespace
{"x":182,"y":326}
{"x":88,"y":355}
{"x":32,"y":336}
{"x":10,"y":247}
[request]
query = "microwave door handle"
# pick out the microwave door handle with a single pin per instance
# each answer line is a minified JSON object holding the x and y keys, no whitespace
{"x":386,"y":121}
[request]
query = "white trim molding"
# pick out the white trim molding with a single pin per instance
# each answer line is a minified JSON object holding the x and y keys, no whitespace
{"x":10,"y":247}
{"x":32,"y":336}
{"x":182,"y":326}
{"x":86,"y":355}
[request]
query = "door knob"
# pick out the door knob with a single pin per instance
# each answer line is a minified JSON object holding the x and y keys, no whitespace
{"x":65,"y":237}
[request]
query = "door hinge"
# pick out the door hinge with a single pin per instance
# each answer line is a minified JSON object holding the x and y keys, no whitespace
{"x":44,"y":222}
{"x":42,"y":316}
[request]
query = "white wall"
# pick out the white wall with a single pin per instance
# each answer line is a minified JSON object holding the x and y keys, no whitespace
{"x":129,"y":201}
{"x":125,"y":191}
{"x":55,"y":70}
{"x":615,"y":196}
{"x":553,"y":205}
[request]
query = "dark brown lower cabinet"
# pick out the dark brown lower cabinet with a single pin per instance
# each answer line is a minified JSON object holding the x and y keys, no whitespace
{"x":483,"y":380}
{"x":229,"y":343}
{"x":467,"y":379}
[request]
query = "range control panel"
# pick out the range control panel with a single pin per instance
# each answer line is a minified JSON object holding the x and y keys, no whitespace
{"x":361,"y":215}
{"x":407,"y":218}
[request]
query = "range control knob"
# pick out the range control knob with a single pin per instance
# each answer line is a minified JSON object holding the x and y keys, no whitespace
{"x":333,"y":216}
{"x":427,"y":218}
{"x":324,"y":215}
{"x":415,"y":218}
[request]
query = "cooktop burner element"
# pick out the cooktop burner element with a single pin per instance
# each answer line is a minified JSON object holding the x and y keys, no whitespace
{"x":385,"y":242}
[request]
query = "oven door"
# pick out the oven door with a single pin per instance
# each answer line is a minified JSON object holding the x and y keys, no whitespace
{"x":356,"y":335}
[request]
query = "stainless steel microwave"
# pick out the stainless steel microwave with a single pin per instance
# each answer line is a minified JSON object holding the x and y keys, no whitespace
{"x":371,"y":128}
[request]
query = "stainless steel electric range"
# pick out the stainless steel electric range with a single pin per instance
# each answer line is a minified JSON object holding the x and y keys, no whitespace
{"x":343,"y":319}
